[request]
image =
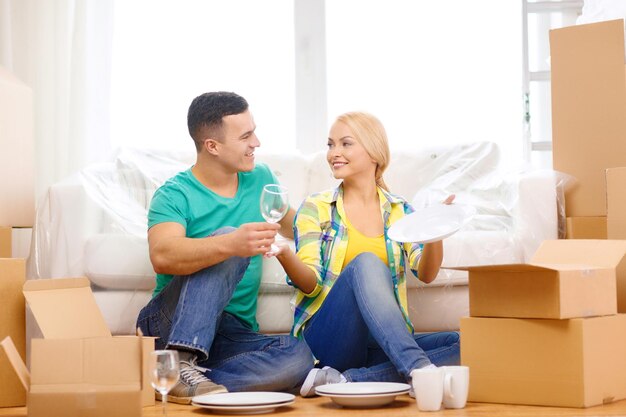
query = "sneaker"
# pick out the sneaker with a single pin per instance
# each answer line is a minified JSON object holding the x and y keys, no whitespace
{"x":317,"y":377}
{"x":192,"y":382}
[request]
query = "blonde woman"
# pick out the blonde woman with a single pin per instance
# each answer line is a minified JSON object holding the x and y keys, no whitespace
{"x":351,"y":303}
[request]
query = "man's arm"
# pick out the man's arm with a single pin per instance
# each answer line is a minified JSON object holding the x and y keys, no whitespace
{"x":171,"y":252}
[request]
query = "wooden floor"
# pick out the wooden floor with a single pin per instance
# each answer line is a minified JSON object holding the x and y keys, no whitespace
{"x":404,"y":406}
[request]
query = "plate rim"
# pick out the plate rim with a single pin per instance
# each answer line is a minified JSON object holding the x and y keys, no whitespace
{"x":461,"y":208}
{"x":287,"y":397}
{"x":243,"y":407}
{"x":401,"y":390}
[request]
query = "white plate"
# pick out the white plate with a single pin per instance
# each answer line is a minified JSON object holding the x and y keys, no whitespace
{"x":431,"y":224}
{"x":363,"y":394}
{"x":243,"y":409}
{"x":245,"y":399}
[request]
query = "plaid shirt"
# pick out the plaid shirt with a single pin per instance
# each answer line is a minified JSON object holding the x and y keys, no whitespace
{"x":321,"y":238}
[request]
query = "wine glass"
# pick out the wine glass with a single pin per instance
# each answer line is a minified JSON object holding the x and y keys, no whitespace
{"x":274,"y":206}
{"x":164,"y":372}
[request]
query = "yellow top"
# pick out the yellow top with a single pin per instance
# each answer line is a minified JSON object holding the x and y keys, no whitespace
{"x":359,"y":243}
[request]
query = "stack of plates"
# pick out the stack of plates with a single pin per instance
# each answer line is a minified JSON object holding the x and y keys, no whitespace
{"x":243,"y":402}
{"x":363,"y":394}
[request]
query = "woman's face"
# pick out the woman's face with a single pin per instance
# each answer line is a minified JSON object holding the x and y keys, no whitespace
{"x":346,"y":156}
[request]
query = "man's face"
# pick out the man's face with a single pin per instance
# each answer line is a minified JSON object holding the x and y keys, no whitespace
{"x":236,"y":149}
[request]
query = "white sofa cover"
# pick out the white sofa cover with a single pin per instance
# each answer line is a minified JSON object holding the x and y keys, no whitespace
{"x":93,"y":224}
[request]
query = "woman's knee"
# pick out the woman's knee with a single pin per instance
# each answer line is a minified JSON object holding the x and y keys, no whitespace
{"x":369,"y":267}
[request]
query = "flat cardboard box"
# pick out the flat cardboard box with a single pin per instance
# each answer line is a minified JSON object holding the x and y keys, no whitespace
{"x":588,"y":85}
{"x":586,"y":227}
{"x":616,"y":203}
{"x":66,"y":309}
{"x":93,"y":377}
{"x":551,"y":286}
{"x":17,"y":156}
{"x":12,"y":324}
{"x":560,"y":363}
{"x":608,"y":253}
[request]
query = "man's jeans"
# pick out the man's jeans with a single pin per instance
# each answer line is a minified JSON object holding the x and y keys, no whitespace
{"x":189,"y":315}
{"x":361,"y":332}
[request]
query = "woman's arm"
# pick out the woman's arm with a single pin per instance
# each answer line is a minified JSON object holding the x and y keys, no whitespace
{"x":300,"y":274}
{"x":430,"y":262}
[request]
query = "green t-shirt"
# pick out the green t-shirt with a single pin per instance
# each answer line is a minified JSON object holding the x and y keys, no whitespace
{"x":183,"y":199}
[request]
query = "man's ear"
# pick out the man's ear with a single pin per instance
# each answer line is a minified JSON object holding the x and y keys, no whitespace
{"x":212,"y":147}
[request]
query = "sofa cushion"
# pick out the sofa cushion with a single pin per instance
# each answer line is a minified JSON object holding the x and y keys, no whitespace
{"x":120,"y":262}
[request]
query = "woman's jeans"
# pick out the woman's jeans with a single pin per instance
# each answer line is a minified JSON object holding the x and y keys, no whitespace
{"x":360,"y":331}
{"x":189,"y":315}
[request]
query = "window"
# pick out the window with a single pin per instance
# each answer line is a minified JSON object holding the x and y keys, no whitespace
{"x":165,"y":53}
{"x":433,"y":72}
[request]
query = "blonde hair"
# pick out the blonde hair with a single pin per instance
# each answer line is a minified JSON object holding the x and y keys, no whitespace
{"x":370,"y":133}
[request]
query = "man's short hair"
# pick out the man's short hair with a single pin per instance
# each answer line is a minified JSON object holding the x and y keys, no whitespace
{"x":207,"y":111}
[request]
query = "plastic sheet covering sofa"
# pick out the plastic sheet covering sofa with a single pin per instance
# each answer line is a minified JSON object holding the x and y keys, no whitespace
{"x":93,"y":224}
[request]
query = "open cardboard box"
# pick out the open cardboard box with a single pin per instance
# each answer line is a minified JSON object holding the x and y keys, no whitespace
{"x":78,"y":366}
{"x":565,"y":279}
{"x":559,"y":363}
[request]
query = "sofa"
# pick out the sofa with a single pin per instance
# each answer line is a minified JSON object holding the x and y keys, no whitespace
{"x":93,"y":224}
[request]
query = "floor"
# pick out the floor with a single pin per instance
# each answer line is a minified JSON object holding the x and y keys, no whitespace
{"x":404,"y":406}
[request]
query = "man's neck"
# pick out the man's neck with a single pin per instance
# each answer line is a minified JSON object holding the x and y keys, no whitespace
{"x":215,"y":178}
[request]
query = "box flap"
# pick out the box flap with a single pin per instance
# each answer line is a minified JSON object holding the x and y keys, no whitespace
{"x":16,"y":361}
{"x":65,"y":308}
{"x":603,"y":253}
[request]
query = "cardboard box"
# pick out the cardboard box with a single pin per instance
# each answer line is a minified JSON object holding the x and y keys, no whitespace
{"x":586,"y":227}
{"x":5,"y":242}
{"x":71,"y":323}
{"x":551,"y":286}
{"x":588,"y":85}
{"x":92,"y":377}
{"x":12,"y":324}
{"x":17,"y":157}
{"x":562,"y":363}
{"x":609,"y":253}
{"x":616,"y":203}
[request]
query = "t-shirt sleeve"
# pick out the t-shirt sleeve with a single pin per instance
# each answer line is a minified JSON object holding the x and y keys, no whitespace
{"x":167,"y":205}
{"x":267,"y":174}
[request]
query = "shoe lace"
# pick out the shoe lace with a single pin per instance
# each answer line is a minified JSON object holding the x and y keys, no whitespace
{"x":192,"y":373}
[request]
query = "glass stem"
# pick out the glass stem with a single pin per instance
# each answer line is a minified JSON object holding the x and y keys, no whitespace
{"x":164,"y":402}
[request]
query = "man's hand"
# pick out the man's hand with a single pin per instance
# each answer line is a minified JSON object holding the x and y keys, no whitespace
{"x":252,"y":239}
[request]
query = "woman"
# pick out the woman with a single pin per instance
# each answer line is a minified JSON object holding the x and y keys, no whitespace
{"x":351,"y":303}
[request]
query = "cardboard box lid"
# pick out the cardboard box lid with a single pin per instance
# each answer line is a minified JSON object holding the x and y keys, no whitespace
{"x":603,"y":253}
{"x":98,"y":361}
{"x":65,"y":308}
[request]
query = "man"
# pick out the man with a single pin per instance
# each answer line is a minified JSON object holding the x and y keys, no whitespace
{"x":207,"y":238}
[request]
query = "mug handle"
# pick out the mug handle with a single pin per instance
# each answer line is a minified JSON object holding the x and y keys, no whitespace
{"x":447,"y":386}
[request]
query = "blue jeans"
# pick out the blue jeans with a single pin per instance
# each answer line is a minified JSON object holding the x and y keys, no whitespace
{"x":360,"y":331}
{"x":189,"y":315}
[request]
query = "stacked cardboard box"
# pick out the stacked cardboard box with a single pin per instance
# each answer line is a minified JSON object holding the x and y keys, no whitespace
{"x":78,"y":368}
{"x":548,"y":332}
{"x":588,"y":123}
{"x":12,"y":276}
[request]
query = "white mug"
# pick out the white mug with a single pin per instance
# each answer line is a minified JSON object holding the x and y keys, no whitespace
{"x":455,"y":386}
{"x":428,"y":387}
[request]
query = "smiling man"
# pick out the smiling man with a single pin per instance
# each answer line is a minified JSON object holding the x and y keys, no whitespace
{"x":207,"y":239}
